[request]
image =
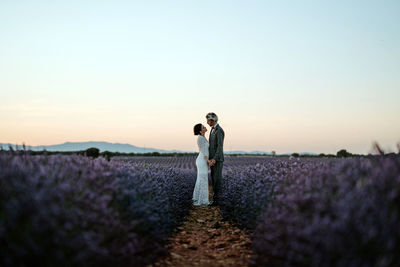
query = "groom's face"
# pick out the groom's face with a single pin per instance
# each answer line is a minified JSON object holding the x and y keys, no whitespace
{"x":210,"y":122}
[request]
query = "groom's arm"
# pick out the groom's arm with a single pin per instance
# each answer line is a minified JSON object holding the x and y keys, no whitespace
{"x":220,"y":145}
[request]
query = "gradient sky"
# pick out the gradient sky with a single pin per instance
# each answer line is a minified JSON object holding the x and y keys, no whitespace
{"x":289,"y":76}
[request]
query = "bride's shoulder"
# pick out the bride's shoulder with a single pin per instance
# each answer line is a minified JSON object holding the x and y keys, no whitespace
{"x":200,"y":137}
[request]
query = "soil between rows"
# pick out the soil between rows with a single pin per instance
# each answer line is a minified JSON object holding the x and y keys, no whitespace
{"x":206,"y":240}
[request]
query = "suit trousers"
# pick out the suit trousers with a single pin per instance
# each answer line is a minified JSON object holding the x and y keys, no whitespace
{"x":216,"y":177}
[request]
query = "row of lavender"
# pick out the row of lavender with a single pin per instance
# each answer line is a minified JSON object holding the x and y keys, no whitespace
{"x":318,"y":212}
{"x":189,"y":162}
{"x":74,"y":211}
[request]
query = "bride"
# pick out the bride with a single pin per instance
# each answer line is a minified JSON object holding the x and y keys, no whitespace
{"x":200,"y":193}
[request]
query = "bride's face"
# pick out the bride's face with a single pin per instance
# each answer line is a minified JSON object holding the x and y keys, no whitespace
{"x":203,"y":129}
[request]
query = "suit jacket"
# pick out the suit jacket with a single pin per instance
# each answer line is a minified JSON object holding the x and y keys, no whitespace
{"x":216,"y":148}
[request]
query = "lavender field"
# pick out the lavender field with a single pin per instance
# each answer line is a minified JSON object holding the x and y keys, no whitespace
{"x":75,"y":211}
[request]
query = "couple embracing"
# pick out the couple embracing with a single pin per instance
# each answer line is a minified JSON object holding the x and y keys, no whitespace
{"x":211,"y":153}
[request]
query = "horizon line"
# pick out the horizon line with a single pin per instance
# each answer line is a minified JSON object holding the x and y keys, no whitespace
{"x":179,"y":151}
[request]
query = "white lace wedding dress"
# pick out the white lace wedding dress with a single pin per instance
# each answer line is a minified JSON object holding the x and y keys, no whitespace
{"x":200,"y":193}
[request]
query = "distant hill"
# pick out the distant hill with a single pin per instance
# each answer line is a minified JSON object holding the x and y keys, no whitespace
{"x":123,"y":148}
{"x":102,"y":146}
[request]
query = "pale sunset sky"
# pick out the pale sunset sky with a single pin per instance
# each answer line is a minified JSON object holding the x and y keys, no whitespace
{"x":290,"y":76}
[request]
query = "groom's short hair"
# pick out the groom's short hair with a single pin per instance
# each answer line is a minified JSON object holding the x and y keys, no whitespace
{"x":212,"y":116}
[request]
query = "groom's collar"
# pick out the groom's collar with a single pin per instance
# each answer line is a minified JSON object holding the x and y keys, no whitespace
{"x":215,"y":126}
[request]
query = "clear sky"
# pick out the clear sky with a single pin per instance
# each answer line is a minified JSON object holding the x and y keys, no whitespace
{"x":289,"y":76}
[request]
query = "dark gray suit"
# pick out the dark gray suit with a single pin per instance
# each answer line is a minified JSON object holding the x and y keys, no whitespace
{"x":216,"y":151}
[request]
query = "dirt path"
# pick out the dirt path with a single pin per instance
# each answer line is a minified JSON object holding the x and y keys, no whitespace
{"x":206,"y":240}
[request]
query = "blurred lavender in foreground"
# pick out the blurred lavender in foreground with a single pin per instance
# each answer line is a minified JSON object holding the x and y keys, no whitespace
{"x":318,"y":212}
{"x":75,"y":211}
{"x":347,"y":214}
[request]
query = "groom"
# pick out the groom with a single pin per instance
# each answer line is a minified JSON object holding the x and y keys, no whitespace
{"x":216,"y":154}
